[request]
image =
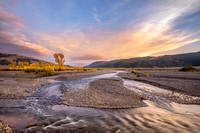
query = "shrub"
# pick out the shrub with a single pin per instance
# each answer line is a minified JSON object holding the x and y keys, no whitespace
{"x":12,"y":69}
{"x":58,"y":68}
{"x":146,"y":75}
{"x":188,"y":68}
{"x":12,"y":64}
{"x":37,"y":71}
{"x":4,"y":69}
{"x":135,"y":72}
{"x":49,"y":71}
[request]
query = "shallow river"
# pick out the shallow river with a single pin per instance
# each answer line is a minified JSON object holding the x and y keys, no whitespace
{"x":43,"y":110}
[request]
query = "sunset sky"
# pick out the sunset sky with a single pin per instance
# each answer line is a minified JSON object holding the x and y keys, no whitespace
{"x":92,"y":30}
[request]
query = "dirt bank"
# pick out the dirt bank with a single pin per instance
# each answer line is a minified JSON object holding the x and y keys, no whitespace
{"x":182,"y":82}
{"x":17,"y":84}
{"x":104,"y":93}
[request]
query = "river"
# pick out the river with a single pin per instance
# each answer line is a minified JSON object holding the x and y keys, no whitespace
{"x":43,"y":111}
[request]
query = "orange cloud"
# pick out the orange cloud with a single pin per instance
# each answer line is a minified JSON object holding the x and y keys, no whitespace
{"x":93,"y":56}
{"x":144,"y":40}
{"x":152,"y":35}
{"x":12,"y":41}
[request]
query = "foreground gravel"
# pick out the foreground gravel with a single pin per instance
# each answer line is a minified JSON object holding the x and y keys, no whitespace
{"x":104,"y":93}
{"x":18,"y":84}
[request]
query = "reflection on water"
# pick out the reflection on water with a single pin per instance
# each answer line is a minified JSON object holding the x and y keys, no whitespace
{"x":43,"y":110}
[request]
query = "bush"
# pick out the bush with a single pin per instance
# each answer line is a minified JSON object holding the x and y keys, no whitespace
{"x":135,"y":72}
{"x":49,"y":71}
{"x":4,"y":69}
{"x":188,"y":68}
{"x":146,"y":75}
{"x":57,"y":68}
{"x":29,"y":69}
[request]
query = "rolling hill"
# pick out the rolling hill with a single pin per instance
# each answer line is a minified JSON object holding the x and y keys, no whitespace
{"x":4,"y":58}
{"x":177,"y":60}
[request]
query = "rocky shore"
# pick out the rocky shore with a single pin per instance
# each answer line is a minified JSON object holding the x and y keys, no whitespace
{"x":18,"y":84}
{"x":186,"y":83}
{"x":104,"y":93}
{"x":183,"y":82}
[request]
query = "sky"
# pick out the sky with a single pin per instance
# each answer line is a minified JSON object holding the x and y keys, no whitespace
{"x":99,"y":30}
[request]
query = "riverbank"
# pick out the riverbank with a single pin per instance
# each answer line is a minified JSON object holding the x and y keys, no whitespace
{"x":187,"y":83}
{"x":44,"y":110}
{"x":18,"y":84}
{"x":104,"y":93}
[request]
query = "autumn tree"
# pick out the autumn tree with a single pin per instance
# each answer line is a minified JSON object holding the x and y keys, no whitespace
{"x":42,"y":64}
{"x":25,"y":64}
{"x":52,"y":64}
{"x":12,"y":64}
{"x":60,"y":59}
{"x":20,"y":64}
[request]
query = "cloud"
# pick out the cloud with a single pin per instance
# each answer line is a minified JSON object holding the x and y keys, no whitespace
{"x":13,"y":41}
{"x":23,"y":50}
{"x":95,"y":15}
{"x":89,"y":57}
{"x":129,"y":30}
{"x":154,"y":33}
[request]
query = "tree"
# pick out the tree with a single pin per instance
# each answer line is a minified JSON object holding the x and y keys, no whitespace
{"x":52,"y":64}
{"x":20,"y":64}
{"x":42,"y":64}
{"x":12,"y":64}
{"x":25,"y":64}
{"x":60,"y":59}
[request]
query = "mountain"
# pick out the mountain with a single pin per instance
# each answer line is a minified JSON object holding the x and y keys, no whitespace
{"x":97,"y":63}
{"x":177,"y":60}
{"x":4,"y":58}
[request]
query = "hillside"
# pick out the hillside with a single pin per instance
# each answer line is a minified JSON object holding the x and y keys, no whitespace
{"x":178,"y":60}
{"x":98,"y":63}
{"x":4,"y":58}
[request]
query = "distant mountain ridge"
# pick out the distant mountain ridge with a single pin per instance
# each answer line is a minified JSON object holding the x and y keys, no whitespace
{"x":177,"y":60}
{"x":4,"y":58}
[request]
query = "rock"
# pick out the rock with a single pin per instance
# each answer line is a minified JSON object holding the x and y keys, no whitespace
{"x":4,"y":128}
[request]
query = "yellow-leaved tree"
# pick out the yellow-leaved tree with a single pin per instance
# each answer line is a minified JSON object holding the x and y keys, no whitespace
{"x":60,"y":59}
{"x":12,"y":64}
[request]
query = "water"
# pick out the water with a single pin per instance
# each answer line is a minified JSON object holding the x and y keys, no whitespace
{"x":43,"y":110}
